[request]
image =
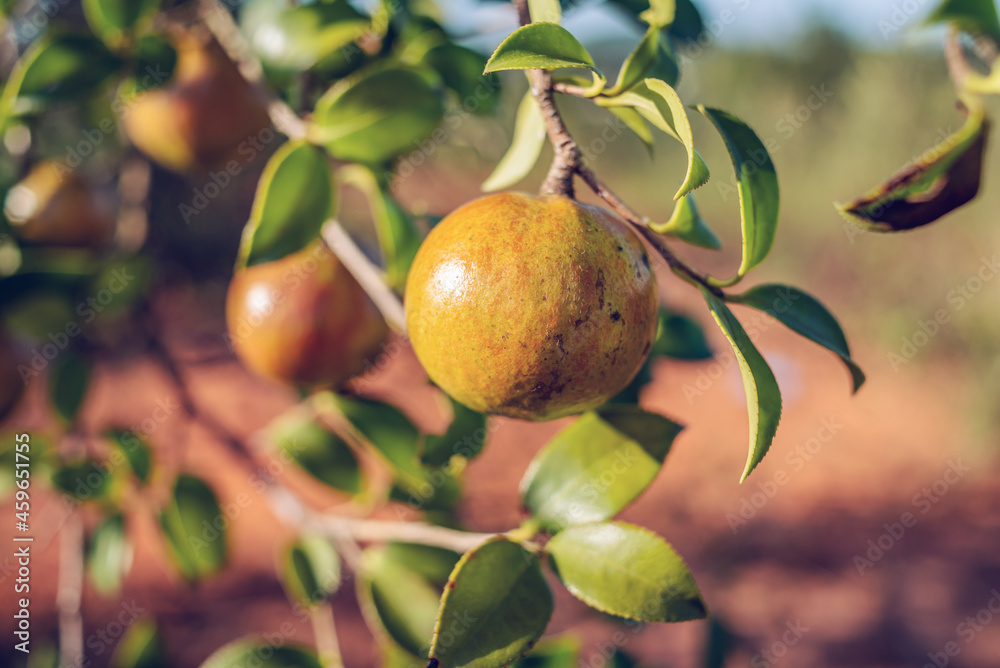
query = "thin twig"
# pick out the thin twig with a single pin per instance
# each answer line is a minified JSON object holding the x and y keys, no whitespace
{"x":367,"y":274}
{"x":382,"y":531}
{"x":559,"y":180}
{"x":959,"y":68}
{"x":569,"y":89}
{"x":325,"y":632}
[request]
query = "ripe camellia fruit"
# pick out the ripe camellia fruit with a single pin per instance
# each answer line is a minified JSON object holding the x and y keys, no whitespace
{"x":53,"y":205}
{"x":303,"y":319}
{"x":202,"y":117}
{"x":531,"y":307}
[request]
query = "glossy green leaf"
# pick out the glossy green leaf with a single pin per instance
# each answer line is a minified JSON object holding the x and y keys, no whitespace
{"x":660,"y":105}
{"x":545,"y":11}
{"x":465,"y":437}
{"x":638,"y":63}
{"x":140,"y":647}
{"x":525,"y":147}
{"x":545,"y":46}
{"x":109,"y":555}
{"x":929,"y":188}
{"x":299,"y":37}
{"x":64,"y":68}
{"x":688,"y":25}
{"x":195,"y":528}
{"x":978,"y":17}
{"x":634,"y":121}
{"x":398,"y":236}
{"x":660,"y":13}
{"x":319,"y":452}
{"x":262,"y":653}
{"x":759,"y":383}
{"x":390,"y":432}
{"x":136,"y":451}
{"x":403,"y":596}
{"x":84,"y":480}
{"x":378,"y":117}
{"x":561,"y":652}
{"x":756,"y":182}
{"x":718,"y":645}
{"x":461,"y":69}
{"x":687,"y":225}
{"x":495,"y":607}
{"x":679,"y":337}
{"x":310,"y":570}
{"x":68,"y":383}
{"x":116,"y":21}
{"x":295,"y":196}
{"x":626,"y":571}
{"x":597,"y":466}
{"x":803,"y":314}
{"x":666,"y":68}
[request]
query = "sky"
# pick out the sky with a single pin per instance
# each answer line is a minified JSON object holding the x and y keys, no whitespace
{"x":875,"y":23}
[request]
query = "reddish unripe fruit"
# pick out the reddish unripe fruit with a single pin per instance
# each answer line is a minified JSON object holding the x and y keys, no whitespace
{"x":303,"y":319}
{"x":531,"y":307}
{"x":202,"y":117}
{"x":55,"y":206}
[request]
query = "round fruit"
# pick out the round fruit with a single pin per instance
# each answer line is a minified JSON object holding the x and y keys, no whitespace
{"x":303,"y":319}
{"x":202,"y":117}
{"x":53,"y":205}
{"x":531,"y":307}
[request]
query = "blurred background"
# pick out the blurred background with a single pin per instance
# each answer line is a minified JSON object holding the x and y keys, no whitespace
{"x":807,"y":562}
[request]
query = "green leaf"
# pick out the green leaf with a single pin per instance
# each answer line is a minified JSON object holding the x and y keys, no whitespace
{"x":634,"y":121}
{"x":84,"y":480}
{"x":660,"y":105}
{"x":978,"y":17}
{"x":495,"y":607}
{"x":688,"y":25}
{"x":757,"y":184}
{"x":563,"y":652}
{"x":136,"y":451}
{"x":68,"y":385}
{"x":116,"y":21}
{"x":718,"y":646}
{"x":390,"y":432}
{"x":403,"y":596}
{"x":545,"y":11}
{"x":192,"y":523}
{"x":64,"y":68}
{"x":153,"y":65}
{"x":597,"y":466}
{"x":660,"y":13}
{"x":544,"y":46}
{"x":638,"y":63}
{"x":461,"y":69}
{"x":803,"y":314}
{"x":679,"y":337}
{"x":109,"y":556}
{"x":763,"y":395}
{"x":299,"y":37}
{"x":140,"y":647}
{"x":626,"y":571}
{"x":929,"y":188}
{"x":378,"y":117}
{"x":686,"y":225}
{"x":465,"y":436}
{"x":398,"y":236}
{"x":320,"y":453}
{"x":525,"y":147}
{"x":295,"y":196}
{"x":310,"y":570}
{"x":262,"y":653}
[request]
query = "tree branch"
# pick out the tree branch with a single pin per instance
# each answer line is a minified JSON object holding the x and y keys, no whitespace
{"x":559,"y":180}
{"x":70,"y":593}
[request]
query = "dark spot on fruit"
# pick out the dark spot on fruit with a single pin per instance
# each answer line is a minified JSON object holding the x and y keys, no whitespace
{"x":599,"y":286}
{"x":645,"y":261}
{"x":559,"y":342}
{"x":646,"y":349}
{"x":578,"y":322}
{"x":620,"y":248}
{"x":616,"y":316}
{"x":545,"y":298}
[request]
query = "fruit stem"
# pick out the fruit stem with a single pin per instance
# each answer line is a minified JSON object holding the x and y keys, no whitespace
{"x":559,"y":180}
